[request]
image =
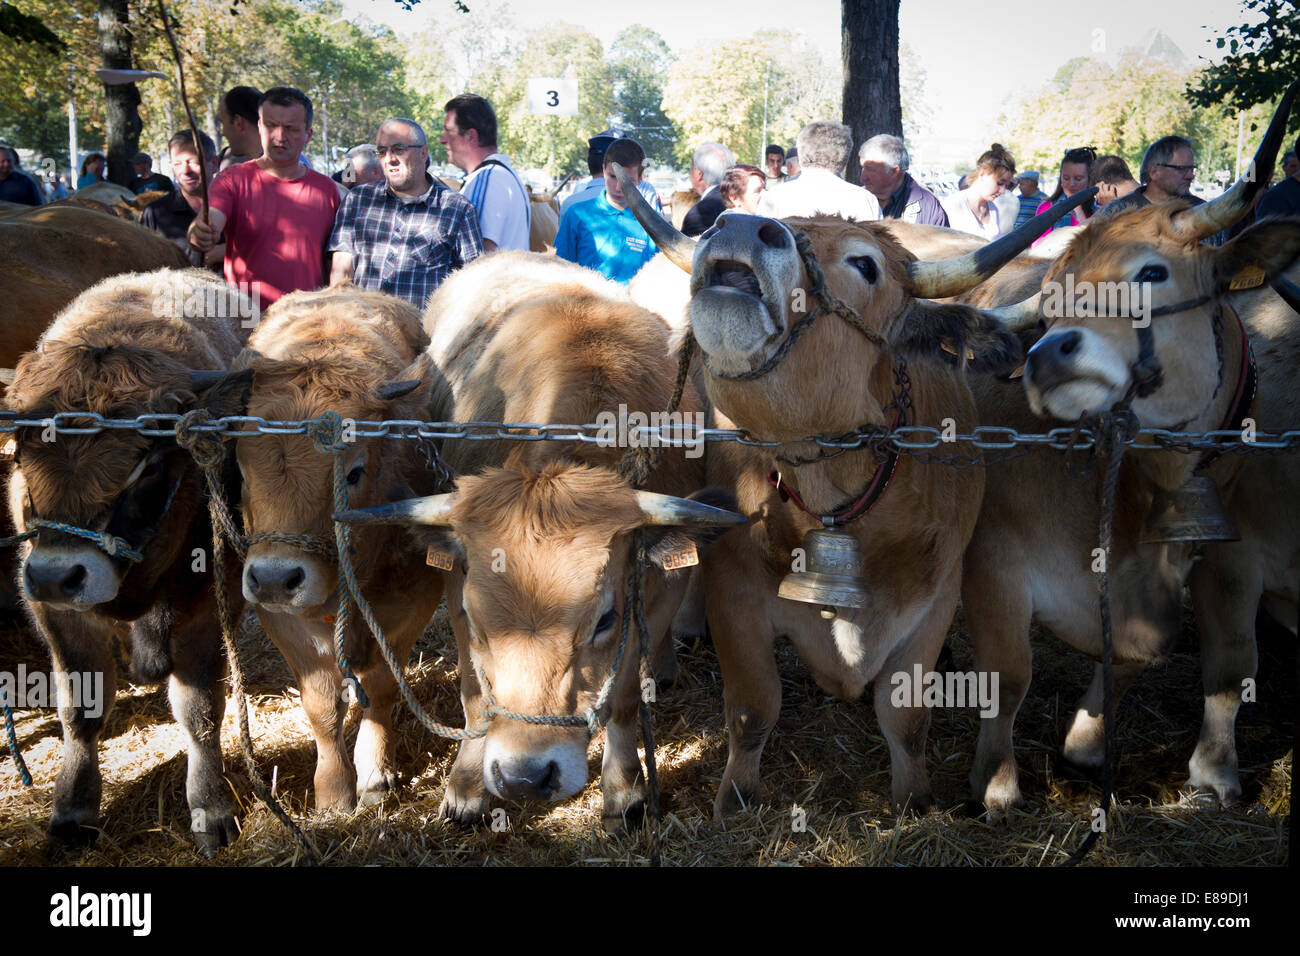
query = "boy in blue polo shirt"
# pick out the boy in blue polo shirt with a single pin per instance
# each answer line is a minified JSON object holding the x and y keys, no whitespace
{"x":602,"y":233}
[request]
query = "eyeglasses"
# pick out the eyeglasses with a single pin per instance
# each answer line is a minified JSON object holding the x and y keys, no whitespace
{"x":397,"y":149}
{"x":1181,"y":169}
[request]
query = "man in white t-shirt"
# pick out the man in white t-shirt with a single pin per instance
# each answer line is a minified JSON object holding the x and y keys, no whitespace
{"x":469,"y":132}
{"x":824,"y":147}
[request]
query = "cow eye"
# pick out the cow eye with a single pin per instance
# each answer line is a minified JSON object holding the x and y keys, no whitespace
{"x":354,"y":476}
{"x":1152,"y":273}
{"x":866,"y":267}
{"x":605,"y":623}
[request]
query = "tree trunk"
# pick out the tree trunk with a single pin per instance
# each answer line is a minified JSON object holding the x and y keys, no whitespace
{"x":122,"y":109}
{"x":869,"y":51}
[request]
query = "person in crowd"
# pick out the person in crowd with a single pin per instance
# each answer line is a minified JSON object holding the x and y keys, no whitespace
{"x":1167,"y":171}
{"x":360,"y":166}
{"x":145,"y":178}
{"x":1030,"y":196}
{"x":172,"y":215}
{"x":774,"y":160}
{"x":1290,"y":164}
{"x":469,"y":131}
{"x":603,"y":234}
{"x":1284,"y":198}
{"x":238,"y":114}
{"x":92,"y":170}
{"x":792,"y":167}
{"x":407,"y":232}
{"x":708,"y":165}
{"x":14,"y":186}
{"x":972,"y":209}
{"x":883,"y":173}
{"x":1076,"y":166}
{"x":742,"y":187}
{"x":595,"y":185}
{"x":824,"y":149}
{"x":1112,"y":177}
{"x":276,"y":213}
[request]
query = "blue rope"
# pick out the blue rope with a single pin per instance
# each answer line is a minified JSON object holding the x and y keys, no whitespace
{"x":111,"y":545}
{"x":13,"y":746}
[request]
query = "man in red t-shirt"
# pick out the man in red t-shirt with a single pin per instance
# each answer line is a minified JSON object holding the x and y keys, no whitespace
{"x":276,"y":213}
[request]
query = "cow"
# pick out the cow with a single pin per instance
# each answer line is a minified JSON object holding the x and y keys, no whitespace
{"x":119,"y":200}
{"x":773,"y":372}
{"x":540,"y":534}
{"x":361,"y":354}
{"x":55,"y":252}
{"x":125,"y":348}
{"x":1088,"y":360}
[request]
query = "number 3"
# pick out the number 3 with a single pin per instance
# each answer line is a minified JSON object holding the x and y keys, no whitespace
{"x":552,"y":97}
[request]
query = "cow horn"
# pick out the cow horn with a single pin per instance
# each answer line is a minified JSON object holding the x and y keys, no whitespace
{"x":679,"y":249}
{"x":938,"y":280}
{"x":548,"y":196}
{"x":670,"y":510}
{"x":1289,"y":291}
{"x":432,"y":510}
{"x":202,"y":379}
{"x":1020,"y":316}
{"x":390,"y":390}
{"x":1208,"y":218}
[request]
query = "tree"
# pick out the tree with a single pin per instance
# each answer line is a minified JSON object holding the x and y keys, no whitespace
{"x":639,"y":60}
{"x":1263,"y":58}
{"x":869,"y":49}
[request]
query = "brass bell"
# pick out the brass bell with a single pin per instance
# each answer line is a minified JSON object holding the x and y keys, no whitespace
{"x":834,"y":572}
{"x":1191,"y":512}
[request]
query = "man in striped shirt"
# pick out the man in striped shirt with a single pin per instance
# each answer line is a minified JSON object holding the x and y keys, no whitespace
{"x":469,"y":132}
{"x":1031,"y":197}
{"x":405,"y":234}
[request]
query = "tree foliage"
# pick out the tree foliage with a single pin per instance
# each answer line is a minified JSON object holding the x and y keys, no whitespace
{"x":1263,"y":58}
{"x":639,"y":60}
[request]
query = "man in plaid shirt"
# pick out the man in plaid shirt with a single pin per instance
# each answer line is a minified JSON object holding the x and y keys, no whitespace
{"x":407,"y":233}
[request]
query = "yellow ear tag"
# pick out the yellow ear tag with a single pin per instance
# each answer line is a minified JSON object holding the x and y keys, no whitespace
{"x":948,"y":347}
{"x":1251,"y":277}
{"x":9,"y":449}
{"x":684,"y":557}
{"x":439,"y":559}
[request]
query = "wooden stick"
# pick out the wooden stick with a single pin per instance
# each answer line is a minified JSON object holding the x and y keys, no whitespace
{"x":194,"y":127}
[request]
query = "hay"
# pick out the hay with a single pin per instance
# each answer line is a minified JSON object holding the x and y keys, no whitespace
{"x":825,"y":757}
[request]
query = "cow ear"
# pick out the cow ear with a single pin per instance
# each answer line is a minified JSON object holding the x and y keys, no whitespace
{"x":956,"y":333}
{"x":1272,"y":245}
{"x":229,"y":396}
{"x":668,"y":546}
{"x":442,"y":549}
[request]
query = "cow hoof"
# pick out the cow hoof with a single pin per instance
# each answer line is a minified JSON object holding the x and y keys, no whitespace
{"x":1210,"y":798}
{"x":221,"y":831}
{"x":69,"y":836}
{"x":379,"y":788}
{"x":631,"y":816}
{"x":915,"y":804}
{"x":1077,"y":771}
{"x":733,"y":798}
{"x":470,"y":810}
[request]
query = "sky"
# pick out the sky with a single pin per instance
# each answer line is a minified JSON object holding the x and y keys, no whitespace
{"x":976,"y":53}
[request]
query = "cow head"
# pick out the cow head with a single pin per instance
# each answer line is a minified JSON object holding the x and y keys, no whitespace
{"x":137,"y":489}
{"x":754,"y":282}
{"x":1145,"y":277}
{"x":288,"y":486}
{"x":541,"y":560}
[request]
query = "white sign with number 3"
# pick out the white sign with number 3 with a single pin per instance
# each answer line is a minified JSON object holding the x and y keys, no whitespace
{"x":552,"y":96}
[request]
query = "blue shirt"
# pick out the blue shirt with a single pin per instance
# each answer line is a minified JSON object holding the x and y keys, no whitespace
{"x":596,"y":235}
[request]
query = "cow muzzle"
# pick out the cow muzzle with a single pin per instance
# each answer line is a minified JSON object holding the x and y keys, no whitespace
{"x":1074,"y":372}
{"x":70,"y":579}
{"x":739,"y":286}
{"x":554,"y":773}
{"x":293,"y":582}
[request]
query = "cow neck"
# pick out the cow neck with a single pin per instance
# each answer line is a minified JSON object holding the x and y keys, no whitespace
{"x":884,"y":456}
{"x":1243,"y":397}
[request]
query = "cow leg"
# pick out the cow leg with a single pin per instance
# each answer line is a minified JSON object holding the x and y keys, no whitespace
{"x":688,"y":626}
{"x":321,"y":685}
{"x":1085,"y":739}
{"x":751,"y":684}
{"x":78,"y":645}
{"x":198,"y":704}
{"x":622,"y":783}
{"x":906,"y":727}
{"x":998,"y":618}
{"x":1226,"y":595}
{"x":375,"y":752}
{"x":466,"y":798}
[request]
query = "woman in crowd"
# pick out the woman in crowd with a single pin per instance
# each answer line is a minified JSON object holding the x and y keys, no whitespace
{"x":1075,"y":167}
{"x":972,"y":209}
{"x":742,"y":187}
{"x":92,"y":170}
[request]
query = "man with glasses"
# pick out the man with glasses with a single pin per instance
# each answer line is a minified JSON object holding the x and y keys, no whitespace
{"x":406,"y":233}
{"x":1167,"y":171}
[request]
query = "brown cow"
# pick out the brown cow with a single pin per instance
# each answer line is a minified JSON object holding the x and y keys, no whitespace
{"x":1088,"y":360}
{"x":359,"y":353}
{"x":541,"y":531}
{"x":54,"y":253}
{"x":751,"y":289}
{"x":120,"y":350}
